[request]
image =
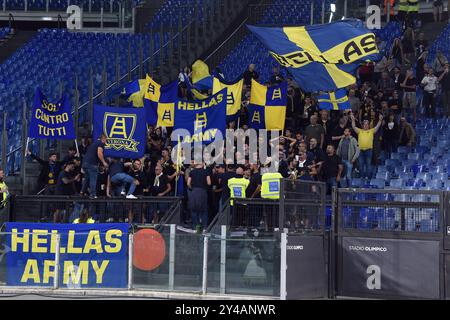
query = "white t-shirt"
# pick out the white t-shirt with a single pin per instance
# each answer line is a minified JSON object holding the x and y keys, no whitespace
{"x":430,"y":83}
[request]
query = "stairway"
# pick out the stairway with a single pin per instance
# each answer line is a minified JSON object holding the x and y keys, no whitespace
{"x":18,"y":40}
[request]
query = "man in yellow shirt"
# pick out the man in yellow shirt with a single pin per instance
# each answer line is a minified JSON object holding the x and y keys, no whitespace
{"x":365,"y":141}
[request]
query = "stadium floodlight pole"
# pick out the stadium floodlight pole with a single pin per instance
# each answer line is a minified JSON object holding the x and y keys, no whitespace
{"x":101,"y":17}
{"x":24,"y":145}
{"x":312,"y":13}
{"x":345,"y":8}
{"x":46,"y":5}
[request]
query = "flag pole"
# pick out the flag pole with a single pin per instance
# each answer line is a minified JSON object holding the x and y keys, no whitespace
{"x":178,"y":166}
{"x":76,"y":146}
{"x":26,"y":147}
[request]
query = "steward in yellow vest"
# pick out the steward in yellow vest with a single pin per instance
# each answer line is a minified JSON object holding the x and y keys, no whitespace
{"x":3,"y":190}
{"x":271,"y":185}
{"x":413,"y":6}
{"x":238,"y":185}
{"x":89,"y":220}
{"x":403,"y":9}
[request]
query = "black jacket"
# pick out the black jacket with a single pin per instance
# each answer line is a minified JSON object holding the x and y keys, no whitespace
{"x":43,"y":178}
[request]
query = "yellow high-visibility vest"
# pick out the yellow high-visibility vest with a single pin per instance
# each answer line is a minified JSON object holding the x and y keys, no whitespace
{"x":89,"y":220}
{"x":237,"y":187}
{"x":403,"y":5}
{"x":271,"y":185}
{"x":413,"y":5}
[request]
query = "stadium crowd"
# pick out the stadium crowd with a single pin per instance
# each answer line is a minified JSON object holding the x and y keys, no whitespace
{"x":318,"y":145}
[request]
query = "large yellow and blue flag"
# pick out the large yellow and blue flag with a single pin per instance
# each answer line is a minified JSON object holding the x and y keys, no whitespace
{"x":159,"y":103}
{"x":201,"y":79}
{"x":320,"y":57}
{"x":337,"y":100}
{"x":267,"y":107}
{"x":234,"y":96}
{"x":134,"y":92}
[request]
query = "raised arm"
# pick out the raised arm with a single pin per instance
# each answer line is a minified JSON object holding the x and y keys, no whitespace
{"x":354,"y":127}
{"x":380,"y":121}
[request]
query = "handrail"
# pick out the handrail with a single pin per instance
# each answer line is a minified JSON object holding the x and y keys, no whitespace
{"x":116,"y":82}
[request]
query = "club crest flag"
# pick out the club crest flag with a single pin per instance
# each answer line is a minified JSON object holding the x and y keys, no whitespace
{"x":320,"y":57}
{"x":51,"y":120}
{"x":267,"y":107}
{"x":200,"y":120}
{"x":124,"y":128}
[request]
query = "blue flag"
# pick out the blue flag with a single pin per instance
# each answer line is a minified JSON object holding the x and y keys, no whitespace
{"x":91,"y":255}
{"x":200,"y":120}
{"x":51,"y":120}
{"x":124,"y":128}
{"x":334,"y":100}
{"x":320,"y":57}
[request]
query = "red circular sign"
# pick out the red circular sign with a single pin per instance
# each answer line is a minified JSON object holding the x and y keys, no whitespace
{"x":149,"y":249}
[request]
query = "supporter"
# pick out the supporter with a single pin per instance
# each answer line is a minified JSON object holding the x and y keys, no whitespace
{"x":391,"y":134}
{"x":408,"y":41}
{"x":365,"y":141}
{"x":327,"y":125}
{"x":385,"y":84}
{"x":317,"y":152}
{"x":159,"y":187}
{"x":348,"y":151}
{"x":183,"y":81}
{"x":366,"y":72}
{"x":338,"y":132}
{"x":421,"y":44}
{"x":304,"y":166}
{"x":315,"y":131}
{"x":65,"y":184}
{"x":429,"y":83}
{"x":250,"y":74}
{"x":216,"y":190}
{"x":49,"y":172}
{"x":354,"y":101}
{"x":438,"y":7}
{"x":102,"y":182}
{"x":309,"y":109}
{"x":91,"y":160}
{"x":71,"y":154}
{"x":119,"y":180}
{"x":84,"y":144}
{"x":331,"y":169}
{"x":276,"y":77}
{"x":439,"y":62}
{"x":397,"y":53}
{"x":397,"y":79}
{"x":168,"y":167}
{"x":198,"y":183}
{"x":137,"y":173}
{"x":409,"y":95}
{"x":407,"y":136}
{"x":395,"y":103}
{"x":293,"y":108}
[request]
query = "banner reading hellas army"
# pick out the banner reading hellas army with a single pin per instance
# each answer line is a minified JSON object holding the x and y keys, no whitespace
{"x":90,"y":255}
{"x":51,"y":120}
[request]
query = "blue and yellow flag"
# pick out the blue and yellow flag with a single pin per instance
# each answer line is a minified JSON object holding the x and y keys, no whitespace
{"x":134,"y":92}
{"x":51,"y":120}
{"x":320,"y":57}
{"x":159,"y":103}
{"x":200,"y":121}
{"x":124,"y":128}
{"x":267,"y":107}
{"x":201,"y":79}
{"x":337,"y":100}
{"x":234,"y":96}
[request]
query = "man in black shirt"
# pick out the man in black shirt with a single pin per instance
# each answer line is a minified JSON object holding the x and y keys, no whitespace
{"x":120,"y":180}
{"x":276,"y":77}
{"x":102,"y":181}
{"x":159,"y":187}
{"x":198,"y":182}
{"x":304,"y":167}
{"x":66,"y":181}
{"x":331,"y":169}
{"x":49,"y":172}
{"x":168,"y":167}
{"x":254,"y":187}
{"x":250,"y":74}
{"x":317,"y":152}
{"x":91,"y":160}
{"x":136,"y":172}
